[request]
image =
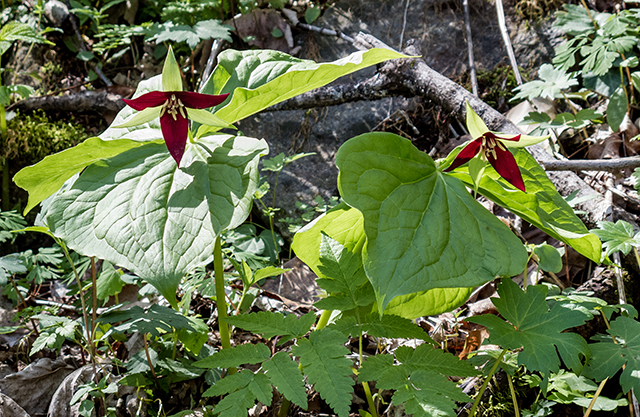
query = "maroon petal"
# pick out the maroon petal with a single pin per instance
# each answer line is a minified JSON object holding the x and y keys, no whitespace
{"x":491,"y":135}
{"x":175,"y":133}
{"x":152,"y":99}
{"x":198,"y":100}
{"x":465,"y":154}
{"x":507,"y":167}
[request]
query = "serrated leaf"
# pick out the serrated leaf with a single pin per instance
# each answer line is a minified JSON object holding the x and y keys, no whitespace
{"x":230,"y":383}
{"x":424,"y":392}
{"x":192,"y":35}
{"x":260,"y":386}
{"x":429,"y":394}
{"x":536,"y":329}
{"x":285,"y":375}
{"x":323,"y":360}
{"x":156,"y":320}
{"x":47,"y":176}
{"x":176,"y":371}
{"x":553,"y":81}
{"x":399,"y":190}
{"x":236,"y":356}
{"x":608,"y":357}
{"x":394,"y":327}
{"x":381,"y":368}
{"x":260,"y":79}
{"x":618,"y":236}
{"x":271,"y":324}
{"x":541,"y":205}
{"x":108,"y":210}
{"x":429,"y":359}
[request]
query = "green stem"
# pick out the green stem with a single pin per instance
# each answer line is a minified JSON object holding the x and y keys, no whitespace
{"x":284,"y":408}
{"x":324,"y":319}
{"x":365,"y":385}
{"x":513,"y":396}
{"x":635,"y":251}
{"x":221,"y":304}
{"x":476,"y":402}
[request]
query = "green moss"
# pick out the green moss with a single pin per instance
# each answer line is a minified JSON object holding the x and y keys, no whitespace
{"x":32,"y":137}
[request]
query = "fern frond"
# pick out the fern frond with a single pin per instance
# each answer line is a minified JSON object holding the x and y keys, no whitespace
{"x":322,"y":357}
{"x":236,"y":356}
{"x":284,"y":374}
{"x":426,"y":358}
{"x":272,"y":324}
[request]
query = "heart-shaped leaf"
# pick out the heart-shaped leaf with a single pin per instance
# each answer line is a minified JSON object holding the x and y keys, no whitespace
{"x":139,"y":211}
{"x":424,"y":230}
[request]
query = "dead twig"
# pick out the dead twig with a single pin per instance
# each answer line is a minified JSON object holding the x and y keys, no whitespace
{"x":472,"y":61}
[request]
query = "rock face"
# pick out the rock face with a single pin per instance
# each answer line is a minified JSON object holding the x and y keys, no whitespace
{"x":437,"y":25}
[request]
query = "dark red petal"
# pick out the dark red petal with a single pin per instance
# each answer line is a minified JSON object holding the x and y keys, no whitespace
{"x":507,"y":167}
{"x":152,"y":99}
{"x":465,"y":154}
{"x":198,"y":100}
{"x":514,"y":139}
{"x":175,"y":134}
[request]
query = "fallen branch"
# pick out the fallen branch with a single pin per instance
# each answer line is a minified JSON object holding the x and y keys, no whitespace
{"x":609,"y":165}
{"x":101,"y":102}
{"x":414,"y":78}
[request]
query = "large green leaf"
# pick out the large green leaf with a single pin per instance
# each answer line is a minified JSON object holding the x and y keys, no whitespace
{"x":424,"y":230}
{"x":541,"y":205}
{"x":261,"y":78}
{"x":139,"y":211}
{"x":47,"y":176}
{"x":346,"y":225}
{"x":536,"y":329}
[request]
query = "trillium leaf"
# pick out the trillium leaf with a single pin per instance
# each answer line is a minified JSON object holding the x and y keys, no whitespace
{"x":541,"y":205}
{"x":139,"y":211}
{"x":424,"y":230}
{"x":346,"y":226}
{"x":47,"y":176}
{"x":259,"y":79}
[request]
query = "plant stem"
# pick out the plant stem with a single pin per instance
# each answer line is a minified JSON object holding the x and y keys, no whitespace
{"x":284,"y":408}
{"x":635,"y":251}
{"x":221,"y":304}
{"x":324,"y":319}
{"x":513,"y":396}
{"x":476,"y":402}
{"x":595,"y":397}
{"x":94,"y":292}
{"x":365,"y":385}
{"x":146,"y":351}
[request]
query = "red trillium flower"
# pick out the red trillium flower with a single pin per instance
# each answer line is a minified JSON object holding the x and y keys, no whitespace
{"x":490,"y":148}
{"x":175,"y":110}
{"x":174,"y":107}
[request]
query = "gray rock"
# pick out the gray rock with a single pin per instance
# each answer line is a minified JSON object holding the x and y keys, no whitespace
{"x":56,"y":11}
